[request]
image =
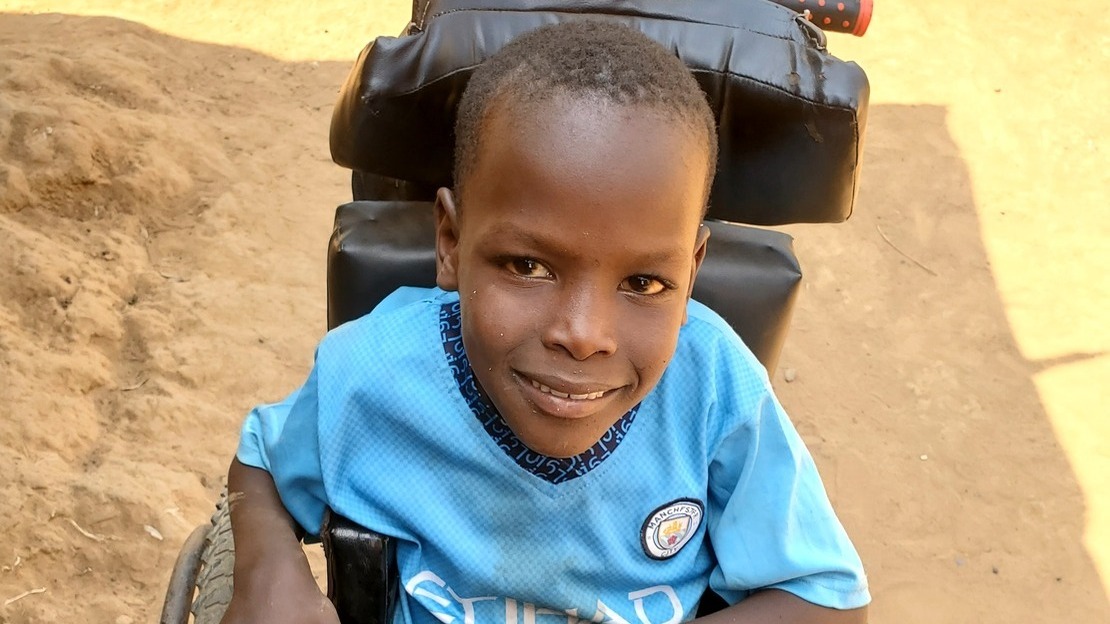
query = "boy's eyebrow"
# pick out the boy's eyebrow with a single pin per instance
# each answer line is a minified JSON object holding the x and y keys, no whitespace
{"x":547,"y":246}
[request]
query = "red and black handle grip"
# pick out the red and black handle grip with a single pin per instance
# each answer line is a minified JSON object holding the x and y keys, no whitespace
{"x":845,"y":16}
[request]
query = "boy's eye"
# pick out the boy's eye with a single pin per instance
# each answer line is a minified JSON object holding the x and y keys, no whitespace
{"x":644,"y":285}
{"x":527,"y":267}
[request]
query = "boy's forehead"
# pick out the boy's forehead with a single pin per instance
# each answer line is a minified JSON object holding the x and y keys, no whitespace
{"x":569,"y":176}
{"x":572,"y":121}
{"x":562,"y":107}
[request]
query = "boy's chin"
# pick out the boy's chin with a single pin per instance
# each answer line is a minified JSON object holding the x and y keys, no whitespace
{"x":558,"y":426}
{"x":558,"y":451}
{"x":560,"y":439}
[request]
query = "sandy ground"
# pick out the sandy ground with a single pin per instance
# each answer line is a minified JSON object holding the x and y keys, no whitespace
{"x":166,"y":196}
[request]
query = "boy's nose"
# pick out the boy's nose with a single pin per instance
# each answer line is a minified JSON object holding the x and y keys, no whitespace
{"x":583,"y":325}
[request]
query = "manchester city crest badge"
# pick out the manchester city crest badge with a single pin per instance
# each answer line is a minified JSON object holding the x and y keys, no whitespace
{"x":670,"y":527}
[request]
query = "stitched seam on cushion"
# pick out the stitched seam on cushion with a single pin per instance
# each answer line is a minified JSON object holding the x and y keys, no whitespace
{"x":655,"y":16}
{"x":771,"y":86}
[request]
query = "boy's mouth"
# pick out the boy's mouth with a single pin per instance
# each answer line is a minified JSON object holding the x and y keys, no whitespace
{"x":589,"y":396}
{"x":566,"y":399}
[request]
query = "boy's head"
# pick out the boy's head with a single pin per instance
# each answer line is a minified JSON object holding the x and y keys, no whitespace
{"x":585,"y":59}
{"x":584,"y":157}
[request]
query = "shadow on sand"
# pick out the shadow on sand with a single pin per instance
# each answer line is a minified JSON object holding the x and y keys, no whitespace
{"x":920,"y":407}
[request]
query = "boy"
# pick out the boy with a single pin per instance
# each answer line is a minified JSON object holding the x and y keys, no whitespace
{"x":557,"y":433}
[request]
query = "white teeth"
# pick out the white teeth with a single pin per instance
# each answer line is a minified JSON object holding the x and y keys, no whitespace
{"x":563,"y":395}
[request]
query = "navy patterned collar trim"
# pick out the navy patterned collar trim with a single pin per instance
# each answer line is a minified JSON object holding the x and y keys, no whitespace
{"x":554,"y":470}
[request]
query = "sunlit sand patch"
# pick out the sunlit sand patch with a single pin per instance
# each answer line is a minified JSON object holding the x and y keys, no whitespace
{"x":1076,"y":399}
{"x":333,"y":30}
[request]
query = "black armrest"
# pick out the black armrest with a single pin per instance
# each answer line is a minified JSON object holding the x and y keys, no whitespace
{"x":362,"y":571}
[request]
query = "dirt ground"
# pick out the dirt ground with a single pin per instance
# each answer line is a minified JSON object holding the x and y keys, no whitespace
{"x":166,"y":195}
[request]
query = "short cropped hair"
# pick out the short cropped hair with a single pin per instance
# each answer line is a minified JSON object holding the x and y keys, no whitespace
{"x":586,"y":58}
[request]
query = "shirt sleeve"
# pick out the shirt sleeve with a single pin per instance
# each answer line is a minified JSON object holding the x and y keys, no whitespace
{"x":771,"y":524}
{"x":283,"y":439}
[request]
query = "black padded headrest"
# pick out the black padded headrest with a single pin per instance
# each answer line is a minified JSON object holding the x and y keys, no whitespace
{"x":750,"y":276}
{"x":791,"y":116}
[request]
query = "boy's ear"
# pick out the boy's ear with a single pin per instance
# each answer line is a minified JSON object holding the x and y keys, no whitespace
{"x":700,"y":245}
{"x":447,"y":240}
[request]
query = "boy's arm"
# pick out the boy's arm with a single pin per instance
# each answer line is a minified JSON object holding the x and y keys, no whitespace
{"x":273,"y":582}
{"x":779,"y":607}
{"x":782,"y":554}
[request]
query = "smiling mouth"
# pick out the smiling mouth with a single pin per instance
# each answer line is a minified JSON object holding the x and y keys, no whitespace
{"x":565,"y":395}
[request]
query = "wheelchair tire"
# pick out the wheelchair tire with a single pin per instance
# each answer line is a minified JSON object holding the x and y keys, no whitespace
{"x":217,"y":563}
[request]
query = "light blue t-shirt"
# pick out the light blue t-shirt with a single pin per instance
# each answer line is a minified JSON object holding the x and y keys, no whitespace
{"x":706,"y":482}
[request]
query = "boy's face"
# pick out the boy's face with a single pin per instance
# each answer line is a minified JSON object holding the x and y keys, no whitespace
{"x":574,"y":250}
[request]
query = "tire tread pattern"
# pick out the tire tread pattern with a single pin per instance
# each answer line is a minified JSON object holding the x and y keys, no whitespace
{"x":217,"y":564}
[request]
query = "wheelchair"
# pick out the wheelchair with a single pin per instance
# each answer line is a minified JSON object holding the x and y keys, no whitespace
{"x":791,"y":121}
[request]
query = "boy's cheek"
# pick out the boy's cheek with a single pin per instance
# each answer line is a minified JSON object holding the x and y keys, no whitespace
{"x":486,"y":290}
{"x":494,"y":316}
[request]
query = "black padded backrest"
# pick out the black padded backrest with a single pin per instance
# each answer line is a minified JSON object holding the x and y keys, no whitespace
{"x":750,"y":276}
{"x":791,"y":116}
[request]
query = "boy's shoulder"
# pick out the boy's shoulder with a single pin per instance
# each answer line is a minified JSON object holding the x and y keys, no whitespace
{"x":708,"y":335}
{"x":400,"y":319}
{"x":714,"y":369}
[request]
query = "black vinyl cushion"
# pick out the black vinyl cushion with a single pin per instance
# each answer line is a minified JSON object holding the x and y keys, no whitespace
{"x":791,"y":116}
{"x":750,"y":275}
